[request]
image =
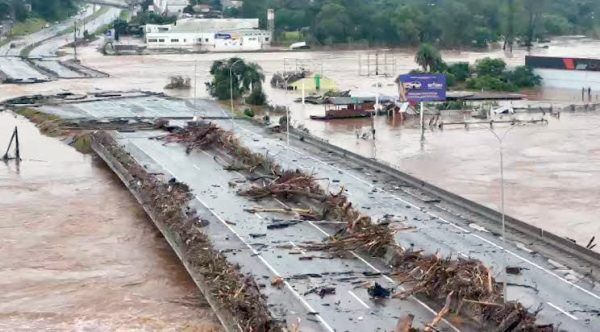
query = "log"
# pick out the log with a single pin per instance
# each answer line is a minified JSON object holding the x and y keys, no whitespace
{"x":431,"y":326}
{"x":405,"y":324}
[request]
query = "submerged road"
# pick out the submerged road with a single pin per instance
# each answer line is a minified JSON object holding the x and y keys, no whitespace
{"x":563,"y":295}
{"x":279,"y":251}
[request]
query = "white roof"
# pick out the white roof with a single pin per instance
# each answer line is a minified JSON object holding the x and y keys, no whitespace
{"x":214,"y":24}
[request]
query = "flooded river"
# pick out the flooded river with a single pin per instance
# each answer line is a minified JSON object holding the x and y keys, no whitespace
{"x":551,"y":171}
{"x":78,"y":253}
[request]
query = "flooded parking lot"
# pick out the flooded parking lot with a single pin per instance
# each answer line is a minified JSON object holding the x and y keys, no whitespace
{"x":78,"y":251}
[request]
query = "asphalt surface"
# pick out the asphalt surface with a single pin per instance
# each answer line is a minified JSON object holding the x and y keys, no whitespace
{"x":563,"y":295}
{"x":145,"y":107}
{"x":17,"y":68}
{"x":50,"y":47}
{"x":349,"y":309}
{"x":55,"y":29}
{"x":56,"y":67}
{"x":50,"y":40}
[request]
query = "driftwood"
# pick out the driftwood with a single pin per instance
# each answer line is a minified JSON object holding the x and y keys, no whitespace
{"x":467,"y":286}
{"x":405,"y":324}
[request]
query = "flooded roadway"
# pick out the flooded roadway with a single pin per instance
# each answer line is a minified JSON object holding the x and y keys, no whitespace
{"x":78,"y":251}
{"x":551,"y":172}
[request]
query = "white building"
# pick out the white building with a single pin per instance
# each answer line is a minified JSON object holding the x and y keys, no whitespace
{"x":171,"y":7}
{"x":209,"y":35}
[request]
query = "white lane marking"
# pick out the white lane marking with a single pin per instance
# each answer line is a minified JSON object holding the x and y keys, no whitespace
{"x":462,"y":254}
{"x":273,"y":270}
{"x":450,"y":223}
{"x":298,"y":248}
{"x":387,"y":278}
{"x":359,"y":300}
{"x":563,"y":311}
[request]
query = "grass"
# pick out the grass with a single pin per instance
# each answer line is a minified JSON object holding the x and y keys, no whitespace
{"x":83,"y":143}
{"x":289,"y":37}
{"x":48,"y":124}
{"x":27,"y":27}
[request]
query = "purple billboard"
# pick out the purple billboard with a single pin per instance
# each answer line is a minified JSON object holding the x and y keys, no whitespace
{"x":423,"y":87}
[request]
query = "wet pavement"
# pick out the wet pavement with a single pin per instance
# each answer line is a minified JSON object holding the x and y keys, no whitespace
{"x":78,"y":251}
{"x":542,"y":163}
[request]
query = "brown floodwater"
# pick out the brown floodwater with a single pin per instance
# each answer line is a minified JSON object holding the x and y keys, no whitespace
{"x":551,"y":171}
{"x":78,"y":253}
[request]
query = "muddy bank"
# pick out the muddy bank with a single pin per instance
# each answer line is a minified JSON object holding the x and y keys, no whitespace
{"x":78,"y":251}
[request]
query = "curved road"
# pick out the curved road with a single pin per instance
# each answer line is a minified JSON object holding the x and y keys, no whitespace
{"x":51,"y":46}
{"x":43,"y":34}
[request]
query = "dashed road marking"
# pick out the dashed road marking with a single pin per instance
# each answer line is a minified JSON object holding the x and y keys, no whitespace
{"x":359,"y":300}
{"x":433,"y":215}
{"x":563,"y":311}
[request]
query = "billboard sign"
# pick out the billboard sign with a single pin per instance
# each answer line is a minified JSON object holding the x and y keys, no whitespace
{"x":222,"y":36}
{"x":423,"y":87}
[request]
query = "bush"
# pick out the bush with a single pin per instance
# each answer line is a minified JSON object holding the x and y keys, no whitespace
{"x":490,"y":67}
{"x":256,"y":97}
{"x":450,"y":79}
{"x":490,"y":83}
{"x":460,"y":70}
{"x":249,"y":113}
{"x":523,"y":77}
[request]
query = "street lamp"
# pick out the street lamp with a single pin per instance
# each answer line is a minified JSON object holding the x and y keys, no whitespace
{"x":231,"y":91}
{"x":287,"y":113}
{"x":501,"y":148}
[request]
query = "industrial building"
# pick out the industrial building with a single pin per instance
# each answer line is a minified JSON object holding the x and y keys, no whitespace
{"x":209,"y":35}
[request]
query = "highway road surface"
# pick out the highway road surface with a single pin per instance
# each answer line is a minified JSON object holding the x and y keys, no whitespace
{"x":562,"y":294}
{"x":279,"y":251}
{"x":50,"y":47}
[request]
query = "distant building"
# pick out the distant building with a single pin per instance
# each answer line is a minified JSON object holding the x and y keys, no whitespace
{"x":209,"y":35}
{"x":170,"y":7}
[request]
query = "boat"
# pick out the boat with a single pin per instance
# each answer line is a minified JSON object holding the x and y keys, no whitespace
{"x":346,"y":108}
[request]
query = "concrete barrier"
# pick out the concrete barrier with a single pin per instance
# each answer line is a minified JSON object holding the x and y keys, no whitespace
{"x":536,"y":233}
{"x":227,"y":321}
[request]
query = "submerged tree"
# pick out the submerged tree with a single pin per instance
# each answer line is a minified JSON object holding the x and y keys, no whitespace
{"x":234,"y":77}
{"x":429,"y":58}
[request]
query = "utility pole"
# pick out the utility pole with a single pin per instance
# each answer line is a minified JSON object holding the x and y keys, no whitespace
{"x":75,"y":40}
{"x":422,"y":116}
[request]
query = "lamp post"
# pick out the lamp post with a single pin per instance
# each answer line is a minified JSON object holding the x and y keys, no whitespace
{"x":287,"y":112}
{"x":231,"y":91}
{"x":501,"y":150}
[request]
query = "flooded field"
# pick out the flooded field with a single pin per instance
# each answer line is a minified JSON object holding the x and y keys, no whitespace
{"x":79,"y":254}
{"x":551,"y":171}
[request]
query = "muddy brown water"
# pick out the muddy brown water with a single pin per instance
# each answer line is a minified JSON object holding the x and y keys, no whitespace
{"x":552,"y":172}
{"x":78,"y":253}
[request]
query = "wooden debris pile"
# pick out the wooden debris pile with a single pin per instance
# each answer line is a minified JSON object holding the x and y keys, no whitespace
{"x":465,"y":286}
{"x":234,"y":292}
{"x":205,"y":136}
{"x":468,"y":287}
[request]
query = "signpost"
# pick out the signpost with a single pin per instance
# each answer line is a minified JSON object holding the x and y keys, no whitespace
{"x":420,"y":88}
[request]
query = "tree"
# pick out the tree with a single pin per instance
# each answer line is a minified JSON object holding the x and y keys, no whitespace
{"x":490,"y":67}
{"x":332,"y":24}
{"x":245,"y":77}
{"x":429,"y":58}
{"x":534,"y":10}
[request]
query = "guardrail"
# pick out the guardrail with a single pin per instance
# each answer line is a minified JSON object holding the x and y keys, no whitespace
{"x":537,"y":233}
